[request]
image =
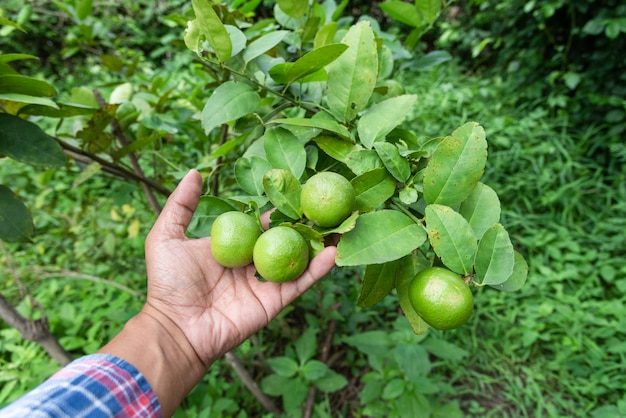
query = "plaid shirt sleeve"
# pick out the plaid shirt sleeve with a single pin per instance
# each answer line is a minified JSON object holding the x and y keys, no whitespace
{"x":97,"y":385}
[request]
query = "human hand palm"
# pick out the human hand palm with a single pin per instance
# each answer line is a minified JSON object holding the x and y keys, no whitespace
{"x":216,"y":308}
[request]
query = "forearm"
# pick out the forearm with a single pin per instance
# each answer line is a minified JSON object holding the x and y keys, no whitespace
{"x":161,"y":352}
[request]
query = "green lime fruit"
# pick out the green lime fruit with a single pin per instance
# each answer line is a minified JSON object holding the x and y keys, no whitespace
{"x":233,"y":235}
{"x":441,"y":298}
{"x":281,"y":254}
{"x":327,"y":199}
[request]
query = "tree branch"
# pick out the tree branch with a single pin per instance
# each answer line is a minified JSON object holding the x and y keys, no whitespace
{"x":36,"y":330}
{"x":247,"y":380}
{"x":87,"y":158}
{"x":119,"y":134}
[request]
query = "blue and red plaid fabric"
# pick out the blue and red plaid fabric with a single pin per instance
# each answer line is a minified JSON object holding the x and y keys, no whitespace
{"x":98,"y":385}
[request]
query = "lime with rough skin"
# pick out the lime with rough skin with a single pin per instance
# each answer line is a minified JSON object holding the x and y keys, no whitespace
{"x":441,"y":298}
{"x":233,"y":235}
{"x":281,"y":254}
{"x":327,"y":199}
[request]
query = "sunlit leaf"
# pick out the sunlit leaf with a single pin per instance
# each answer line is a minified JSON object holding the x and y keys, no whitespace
{"x":230,"y":101}
{"x":379,"y":237}
{"x":283,"y":190}
{"x":373,"y":188}
{"x":494,"y":257}
{"x":352,"y":76}
{"x":456,"y":166}
{"x":283,"y":150}
{"x":381,"y":118}
{"x":249,"y":172}
{"x":517,"y":279}
{"x":481,"y":209}
{"x":452,"y":238}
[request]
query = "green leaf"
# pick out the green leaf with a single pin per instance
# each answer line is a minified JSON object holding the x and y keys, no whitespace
{"x":397,"y":165}
{"x":283,"y":150}
{"x":249,"y":172}
{"x":444,"y":349}
{"x":481,"y":209}
{"x":5,"y":58}
{"x":456,"y":166}
{"x":293,"y":8}
{"x":337,"y":148}
{"x":16,"y":223}
{"x":393,"y":389}
{"x":314,"y":60}
{"x":429,"y":60}
{"x":314,"y":370}
{"x":352,"y":76}
{"x":361,"y":161}
{"x":19,"y":84}
{"x":428,"y":9}
{"x":518,"y":278}
{"x":55,"y":110}
{"x":209,"y":208}
{"x":408,"y":269}
{"x":452,"y":238}
{"x":294,"y":396}
{"x":373,"y":188}
{"x":378,"y":281}
{"x":383,"y":117}
{"x":374,"y":343}
{"x":325,"y":35}
{"x":283,"y":190}
{"x":331,"y":382}
{"x":316,"y":122}
{"x":494,"y":257}
{"x":306,"y":345}
{"x":27,"y":143}
{"x":379,"y":237}
{"x":84,"y":8}
{"x":402,"y":12}
{"x":263,"y":44}
{"x":228,"y":102}
{"x":211,"y":27}
{"x":413,"y":360}
{"x":283,"y":366}
{"x":275,"y":385}
{"x":31,"y":100}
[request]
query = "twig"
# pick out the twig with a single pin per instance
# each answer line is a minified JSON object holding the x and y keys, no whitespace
{"x":247,"y":380}
{"x":119,"y":134}
{"x":87,"y":158}
{"x":215,"y":185}
{"x":43,"y":274}
{"x":37,"y":330}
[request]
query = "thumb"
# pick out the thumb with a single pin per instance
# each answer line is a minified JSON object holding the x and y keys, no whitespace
{"x":179,"y":208}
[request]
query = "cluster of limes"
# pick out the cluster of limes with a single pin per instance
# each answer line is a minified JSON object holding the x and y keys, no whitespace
{"x":281,"y":254}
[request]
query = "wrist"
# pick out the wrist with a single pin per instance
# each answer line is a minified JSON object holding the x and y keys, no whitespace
{"x":153,"y":343}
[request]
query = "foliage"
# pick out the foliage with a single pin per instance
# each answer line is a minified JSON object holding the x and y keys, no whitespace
{"x":558,"y":53}
{"x":554,"y":348}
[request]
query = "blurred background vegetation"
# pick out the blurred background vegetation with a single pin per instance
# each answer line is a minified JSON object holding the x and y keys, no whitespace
{"x":547,"y":80}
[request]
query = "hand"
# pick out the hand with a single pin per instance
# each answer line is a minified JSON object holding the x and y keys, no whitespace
{"x":216,"y":308}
